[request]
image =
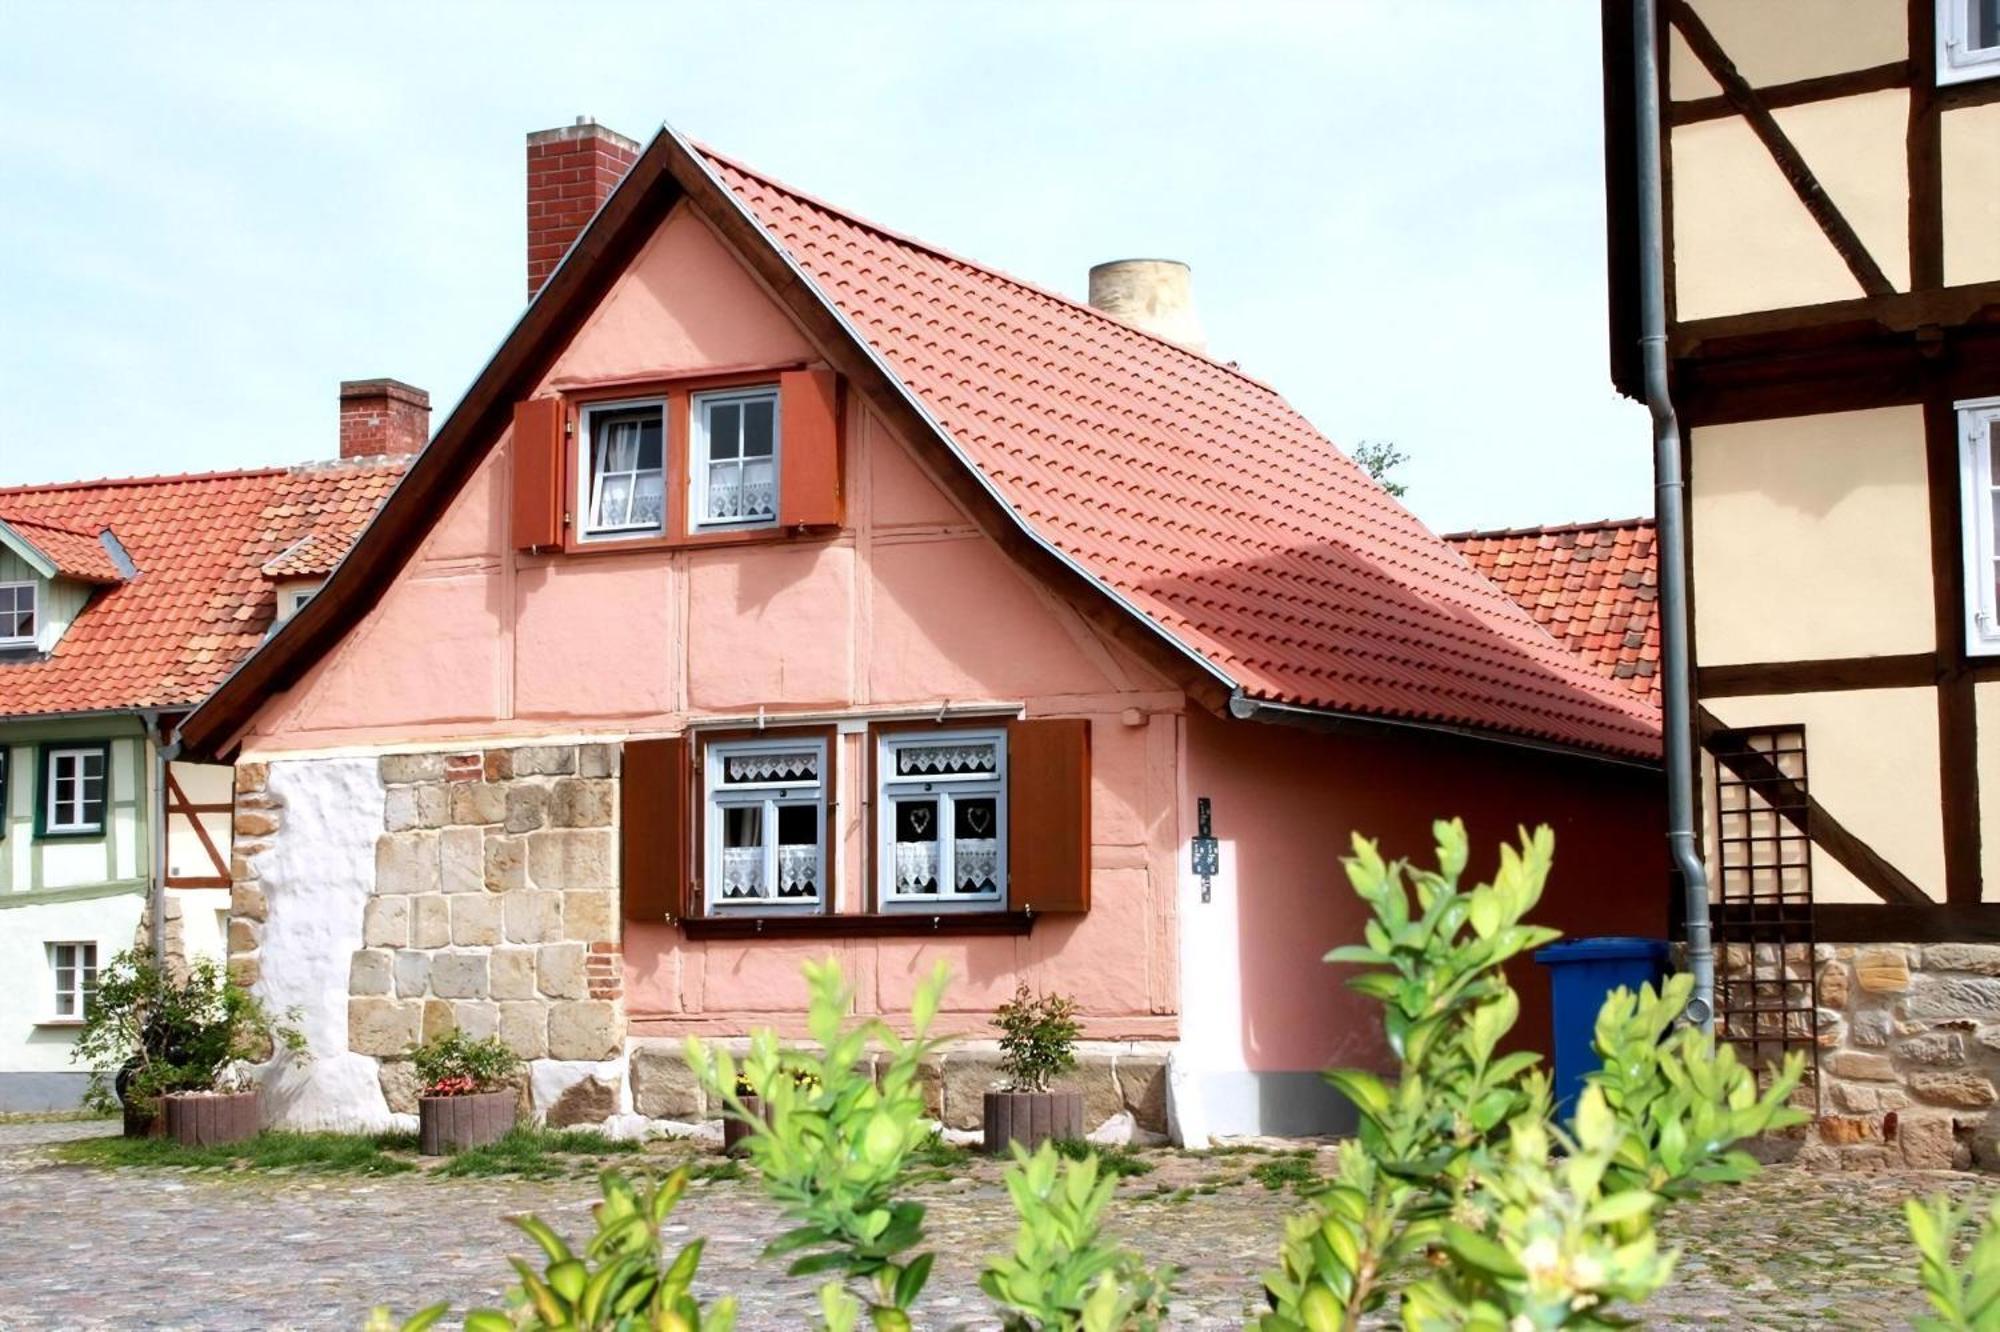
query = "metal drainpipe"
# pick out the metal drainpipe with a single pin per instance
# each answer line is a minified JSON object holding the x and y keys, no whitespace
{"x":1676,"y":683}
{"x":156,"y":818}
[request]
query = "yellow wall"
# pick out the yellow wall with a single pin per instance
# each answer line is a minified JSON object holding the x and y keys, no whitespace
{"x":1811,"y":538}
{"x":1858,"y":149}
{"x":1872,"y":764}
{"x":1987,"y":695}
{"x":1971,"y":169}
{"x":1781,"y":41}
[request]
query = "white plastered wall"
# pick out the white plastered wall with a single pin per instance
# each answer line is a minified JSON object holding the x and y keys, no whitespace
{"x":30,"y":1042}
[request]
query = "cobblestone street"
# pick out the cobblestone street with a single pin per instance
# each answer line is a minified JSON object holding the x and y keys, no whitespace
{"x":93,"y":1248}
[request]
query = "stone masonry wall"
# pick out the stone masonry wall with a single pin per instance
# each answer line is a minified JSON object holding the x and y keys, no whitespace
{"x":494,"y":911}
{"x":1909,"y":1055}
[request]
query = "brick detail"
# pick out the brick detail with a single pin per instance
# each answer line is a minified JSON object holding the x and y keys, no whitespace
{"x":383,"y":418}
{"x":604,"y":971}
{"x":464,"y":767}
{"x":571,"y":172}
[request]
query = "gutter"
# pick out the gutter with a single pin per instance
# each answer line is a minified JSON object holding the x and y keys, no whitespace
{"x":1245,"y":708}
{"x":1676,"y":680}
{"x":163,"y":754}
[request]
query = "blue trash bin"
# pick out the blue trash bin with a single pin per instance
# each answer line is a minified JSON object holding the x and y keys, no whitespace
{"x":1581,"y":973}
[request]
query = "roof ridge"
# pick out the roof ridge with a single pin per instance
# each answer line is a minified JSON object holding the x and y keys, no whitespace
{"x":950,"y":256}
{"x":229,"y":474}
{"x":1550,"y":529}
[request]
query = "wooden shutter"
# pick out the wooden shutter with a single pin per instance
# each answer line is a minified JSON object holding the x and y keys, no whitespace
{"x":1048,"y":815}
{"x":809,"y":454}
{"x":538,"y":473}
{"x":655,"y":810}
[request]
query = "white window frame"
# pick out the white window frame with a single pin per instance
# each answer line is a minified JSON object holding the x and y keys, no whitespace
{"x":1958,"y":61}
{"x":949,"y":788}
{"x":1978,"y":419}
{"x":80,"y":991}
{"x":718,"y":796}
{"x":698,"y":460}
{"x":296,"y":599}
{"x":588,"y":475}
{"x":34,"y":613}
{"x":52,"y":778}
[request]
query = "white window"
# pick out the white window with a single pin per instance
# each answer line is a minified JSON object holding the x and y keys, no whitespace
{"x":1979,"y":497}
{"x":733,"y":476}
{"x":765,"y":806}
{"x":292,"y":600}
{"x":1968,"y":40}
{"x":75,"y":792}
{"x":625,"y":485}
{"x":17,"y":614}
{"x":942,"y":818}
{"x":74,"y":968}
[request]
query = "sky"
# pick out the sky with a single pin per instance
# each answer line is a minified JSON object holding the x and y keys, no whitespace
{"x":210,"y":214}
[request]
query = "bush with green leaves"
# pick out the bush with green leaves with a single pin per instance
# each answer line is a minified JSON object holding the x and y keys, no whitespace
{"x":1037,"y":1038}
{"x":151,"y":1030}
{"x":1967,"y":1299}
{"x":452,"y":1064}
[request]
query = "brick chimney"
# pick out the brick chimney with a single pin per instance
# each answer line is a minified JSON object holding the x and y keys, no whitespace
{"x":571,"y":172}
{"x":382,"y":417}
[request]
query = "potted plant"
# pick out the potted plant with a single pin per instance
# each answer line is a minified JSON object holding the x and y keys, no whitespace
{"x":463,"y":1098}
{"x":1037,"y":1044}
{"x":169,"y":1045}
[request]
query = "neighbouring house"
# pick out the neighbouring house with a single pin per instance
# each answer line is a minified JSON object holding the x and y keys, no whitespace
{"x":1832,"y":197}
{"x":787,"y":587}
{"x":1595,"y":586}
{"x":122,"y":604}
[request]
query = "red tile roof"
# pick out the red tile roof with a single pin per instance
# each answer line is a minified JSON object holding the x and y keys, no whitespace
{"x":1595,"y":586}
{"x":1196,"y":494}
{"x":200,"y":601}
{"x":76,"y":552}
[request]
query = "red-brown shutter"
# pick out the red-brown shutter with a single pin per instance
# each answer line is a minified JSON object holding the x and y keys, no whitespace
{"x":655,"y":810}
{"x":1048,"y":815}
{"x":809,"y":456}
{"x":538,"y":488}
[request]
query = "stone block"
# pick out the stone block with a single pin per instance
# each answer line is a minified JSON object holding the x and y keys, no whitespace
{"x":597,"y":760}
{"x":398,"y":769}
{"x":251,"y":777}
{"x":399,"y":1085}
{"x":589,"y":1101}
{"x":532,"y":917}
{"x":511,"y":973}
{"x":573,"y":858}
{"x":1854,"y":1098}
{"x":438,"y":1019}
{"x":527,"y":807}
{"x":385,"y":922}
{"x":1882,"y":970}
{"x":399,"y":809}
{"x":590,"y":915}
{"x":372,"y":971}
{"x":477,"y":1018}
{"x":545,"y":761}
{"x":1142,"y":1083}
{"x":255,"y":822}
{"x":475,"y":920}
{"x":1871,"y":1028}
{"x":1942,"y":998}
{"x":524,"y":1026}
{"x":462,"y":860}
{"x":382,"y":1026}
{"x":559,"y":970}
{"x":585,"y":1029}
{"x":245,"y":970}
{"x":578,"y":802}
{"x":243,"y":935}
{"x":1926,"y":1142}
{"x":664,"y":1087}
{"x":413,"y":974}
{"x":1863,"y":1064}
{"x":1961,"y":1088}
{"x":477,"y":803}
{"x":430,"y":921}
{"x":247,"y":900}
{"x":1833,"y":984}
{"x":963,"y":1081}
{"x":406,"y":863}
{"x":506,"y":864}
{"x":459,"y":975}
{"x":1934,"y":1048}
{"x":1844,"y":1130}
{"x":497,"y":765}
{"x":1974,"y":959}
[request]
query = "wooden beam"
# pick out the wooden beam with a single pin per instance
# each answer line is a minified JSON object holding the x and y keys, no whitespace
{"x":176,"y":802}
{"x":1750,"y":105}
{"x":1957,"y":707}
{"x":1843,"y":922}
{"x":1925,"y":162}
{"x":1810,"y":817}
{"x":1826,"y":87}
{"x":1911,"y":670}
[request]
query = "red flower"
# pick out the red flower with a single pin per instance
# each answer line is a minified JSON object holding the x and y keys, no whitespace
{"x":452,"y":1086}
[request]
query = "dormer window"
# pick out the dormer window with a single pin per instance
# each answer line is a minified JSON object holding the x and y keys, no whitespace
{"x":1968,"y":34}
{"x":18,"y":622}
{"x":625,"y":489}
{"x":733,"y":474}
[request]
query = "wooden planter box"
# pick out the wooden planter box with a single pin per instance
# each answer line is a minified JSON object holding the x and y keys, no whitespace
{"x":447,"y":1124}
{"x":1031,"y":1118}
{"x":143,"y":1119}
{"x":735,"y":1133}
{"x":209,"y":1119}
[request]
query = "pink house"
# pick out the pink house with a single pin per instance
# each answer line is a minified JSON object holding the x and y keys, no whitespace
{"x":786,"y":586}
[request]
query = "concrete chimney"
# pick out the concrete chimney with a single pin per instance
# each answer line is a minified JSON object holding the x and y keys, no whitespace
{"x":571,"y":172}
{"x":1156,"y":295}
{"x":382,"y":418}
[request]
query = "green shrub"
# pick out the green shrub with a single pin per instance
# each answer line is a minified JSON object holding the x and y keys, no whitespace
{"x":450,"y":1064}
{"x":1037,"y":1038}
{"x":1116,"y":1160}
{"x":1968,"y":1300}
